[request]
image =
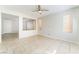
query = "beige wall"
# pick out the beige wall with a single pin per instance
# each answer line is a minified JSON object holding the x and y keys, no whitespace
{"x":53,"y":26}
{"x":0,"y":27}
{"x":22,"y":34}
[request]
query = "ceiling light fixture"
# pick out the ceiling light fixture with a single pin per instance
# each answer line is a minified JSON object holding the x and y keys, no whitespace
{"x":39,"y":9}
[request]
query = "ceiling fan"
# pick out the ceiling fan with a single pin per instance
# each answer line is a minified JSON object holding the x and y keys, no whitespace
{"x":39,"y":9}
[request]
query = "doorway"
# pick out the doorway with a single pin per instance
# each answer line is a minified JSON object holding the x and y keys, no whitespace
{"x":10,"y":27}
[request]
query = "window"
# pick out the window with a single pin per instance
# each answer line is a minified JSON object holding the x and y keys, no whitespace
{"x":68,"y":23}
{"x":29,"y":24}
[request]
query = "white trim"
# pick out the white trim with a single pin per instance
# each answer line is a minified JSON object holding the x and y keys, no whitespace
{"x":58,"y":38}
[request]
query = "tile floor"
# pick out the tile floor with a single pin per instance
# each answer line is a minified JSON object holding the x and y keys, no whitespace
{"x":37,"y":45}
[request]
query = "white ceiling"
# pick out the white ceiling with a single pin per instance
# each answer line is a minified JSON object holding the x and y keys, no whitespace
{"x":9,"y":17}
{"x":27,"y":9}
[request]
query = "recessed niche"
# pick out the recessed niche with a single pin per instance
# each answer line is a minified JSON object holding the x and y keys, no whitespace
{"x":29,"y":24}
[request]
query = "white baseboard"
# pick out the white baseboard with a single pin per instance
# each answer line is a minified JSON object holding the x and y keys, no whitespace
{"x":58,"y":38}
{"x":27,"y":36}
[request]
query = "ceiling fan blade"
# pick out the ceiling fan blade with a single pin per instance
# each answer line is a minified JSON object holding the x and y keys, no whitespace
{"x":44,"y":10}
{"x":35,"y":11}
{"x":39,"y":10}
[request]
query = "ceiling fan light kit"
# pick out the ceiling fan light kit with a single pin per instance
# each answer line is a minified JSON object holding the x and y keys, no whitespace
{"x":39,"y":9}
